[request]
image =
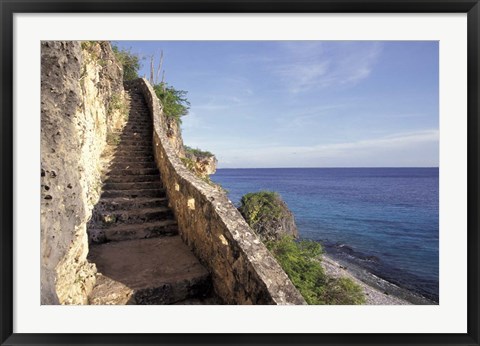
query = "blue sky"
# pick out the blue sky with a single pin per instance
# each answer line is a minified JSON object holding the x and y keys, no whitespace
{"x":306,"y":103}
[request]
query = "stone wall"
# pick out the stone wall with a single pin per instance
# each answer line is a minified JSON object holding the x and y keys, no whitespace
{"x":80,"y":83}
{"x":243,"y":271}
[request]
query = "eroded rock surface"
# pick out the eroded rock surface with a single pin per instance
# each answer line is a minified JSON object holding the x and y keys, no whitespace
{"x":78,"y":84}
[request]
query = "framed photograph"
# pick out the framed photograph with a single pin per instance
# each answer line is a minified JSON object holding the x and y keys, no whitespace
{"x":236,"y":172}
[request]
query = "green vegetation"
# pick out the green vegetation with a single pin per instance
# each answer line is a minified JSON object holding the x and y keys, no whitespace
{"x":129,"y":61}
{"x":113,"y":138}
{"x":189,"y":163}
{"x":343,"y":291}
{"x":118,"y":103}
{"x":86,"y":45}
{"x":298,"y":260}
{"x":301,"y":260}
{"x":196,"y":152}
{"x":191,"y":166}
{"x":175,"y":103}
{"x":259,"y":209}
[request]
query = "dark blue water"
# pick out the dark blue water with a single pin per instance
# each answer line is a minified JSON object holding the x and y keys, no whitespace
{"x":383,"y":219}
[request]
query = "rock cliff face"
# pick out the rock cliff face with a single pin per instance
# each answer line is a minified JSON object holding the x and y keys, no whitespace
{"x":201,"y":164}
{"x":82,"y":90}
{"x":174,"y":134}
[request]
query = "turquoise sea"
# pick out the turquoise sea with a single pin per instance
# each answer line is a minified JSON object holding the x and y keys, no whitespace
{"x":384,"y":220}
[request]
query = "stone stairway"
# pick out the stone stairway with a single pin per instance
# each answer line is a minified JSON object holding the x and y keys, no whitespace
{"x":134,"y":238}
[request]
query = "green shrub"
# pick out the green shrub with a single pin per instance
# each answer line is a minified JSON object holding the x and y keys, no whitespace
{"x":118,"y":103}
{"x":113,"y":138}
{"x":196,"y":152}
{"x":189,"y":163}
{"x":260,"y":208}
{"x":343,"y":291}
{"x":86,"y":45}
{"x":302,"y":263}
{"x":130,"y":63}
{"x":299,"y":261}
{"x":175,"y":103}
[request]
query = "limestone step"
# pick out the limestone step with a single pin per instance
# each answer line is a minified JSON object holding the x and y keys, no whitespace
{"x":133,"y":185}
{"x":113,"y":218}
{"x":132,"y":151}
{"x":141,"y":126}
{"x":144,"y":130}
{"x":122,"y":232}
{"x":145,"y":146}
{"x":132,"y":165}
{"x":132,"y":178}
{"x":145,"y":138}
{"x":141,"y":122}
{"x":140,"y":171}
{"x":136,"y":142}
{"x":209,"y":300}
{"x":141,"y":156}
{"x":134,"y":193}
{"x":137,"y":124}
{"x":139,"y":119}
{"x":110,"y":292}
{"x":134,"y":133}
{"x":135,"y":113}
{"x":147,"y":271}
{"x":132,"y":143}
{"x":137,"y":158}
{"x":122,"y":203}
{"x":140,"y":147}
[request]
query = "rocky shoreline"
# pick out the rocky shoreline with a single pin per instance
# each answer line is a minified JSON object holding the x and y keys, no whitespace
{"x":377,"y":291}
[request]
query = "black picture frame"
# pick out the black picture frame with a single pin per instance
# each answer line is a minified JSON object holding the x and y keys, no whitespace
{"x":9,"y":7}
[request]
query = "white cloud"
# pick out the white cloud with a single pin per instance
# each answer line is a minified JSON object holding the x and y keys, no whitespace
{"x":400,"y":140}
{"x":309,"y":66}
{"x":419,"y":148}
{"x":194,"y":122}
{"x":220,"y":103}
{"x":306,"y":117}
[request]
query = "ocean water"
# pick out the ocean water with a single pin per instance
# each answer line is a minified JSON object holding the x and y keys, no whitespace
{"x":384,"y":220}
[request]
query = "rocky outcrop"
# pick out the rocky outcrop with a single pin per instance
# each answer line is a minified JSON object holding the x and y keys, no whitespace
{"x":268,"y":215}
{"x":174,"y":135}
{"x":202,"y":163}
{"x":242,"y":269}
{"x":206,"y":165}
{"x":82,"y":98}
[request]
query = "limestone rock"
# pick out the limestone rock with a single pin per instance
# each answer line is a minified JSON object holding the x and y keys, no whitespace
{"x":78,"y":82}
{"x":203,"y":165}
